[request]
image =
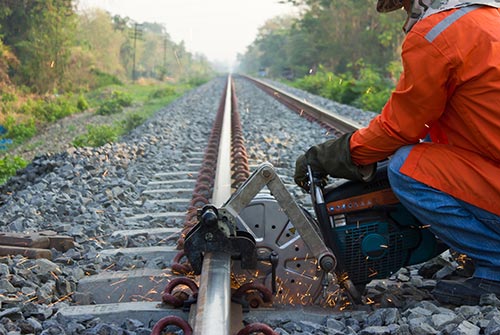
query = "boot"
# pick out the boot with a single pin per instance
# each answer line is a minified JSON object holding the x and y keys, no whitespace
{"x":468,"y":292}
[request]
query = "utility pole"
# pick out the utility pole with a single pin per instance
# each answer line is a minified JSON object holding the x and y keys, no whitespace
{"x":137,"y":35}
{"x":164,"y":71}
{"x":165,"y":53}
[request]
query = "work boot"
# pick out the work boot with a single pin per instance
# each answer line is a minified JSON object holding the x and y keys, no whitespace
{"x":466,"y":292}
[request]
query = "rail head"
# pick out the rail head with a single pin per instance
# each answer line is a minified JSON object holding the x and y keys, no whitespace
{"x":213,"y":306}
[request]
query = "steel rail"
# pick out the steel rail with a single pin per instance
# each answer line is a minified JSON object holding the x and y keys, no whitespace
{"x":329,"y":118}
{"x":213,"y":315}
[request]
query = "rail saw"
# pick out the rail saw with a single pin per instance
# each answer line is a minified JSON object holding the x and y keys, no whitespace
{"x":358,"y":232}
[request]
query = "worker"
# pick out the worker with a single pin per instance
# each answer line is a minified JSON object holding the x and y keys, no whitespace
{"x":440,"y":130}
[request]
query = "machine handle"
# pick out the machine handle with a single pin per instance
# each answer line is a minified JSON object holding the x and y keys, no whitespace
{"x":327,"y":227}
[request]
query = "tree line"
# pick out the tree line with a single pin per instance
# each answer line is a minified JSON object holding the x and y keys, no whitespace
{"x":341,"y":49}
{"x":331,"y":33}
{"x":48,"y":46}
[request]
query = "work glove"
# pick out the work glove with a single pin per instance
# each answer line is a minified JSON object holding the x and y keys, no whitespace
{"x":333,"y":158}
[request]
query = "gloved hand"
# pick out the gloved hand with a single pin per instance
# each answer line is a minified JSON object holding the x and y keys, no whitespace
{"x":333,"y":158}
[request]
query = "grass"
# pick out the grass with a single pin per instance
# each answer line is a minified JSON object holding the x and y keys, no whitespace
{"x":137,"y":104}
{"x":134,"y":103}
{"x":36,"y":144}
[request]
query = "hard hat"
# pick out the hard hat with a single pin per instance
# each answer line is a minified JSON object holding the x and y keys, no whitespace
{"x":384,"y":6}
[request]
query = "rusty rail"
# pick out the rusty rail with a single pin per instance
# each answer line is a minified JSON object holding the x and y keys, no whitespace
{"x":213,"y":316}
{"x":224,"y":168}
{"x":329,"y":120}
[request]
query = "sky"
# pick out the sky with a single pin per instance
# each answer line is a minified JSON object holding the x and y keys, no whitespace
{"x":220,"y":29}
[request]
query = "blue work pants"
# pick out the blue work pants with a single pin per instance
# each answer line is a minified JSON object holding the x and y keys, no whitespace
{"x":465,"y":228}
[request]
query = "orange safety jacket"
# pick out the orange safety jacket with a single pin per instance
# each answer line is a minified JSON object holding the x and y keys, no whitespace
{"x":450,"y":89}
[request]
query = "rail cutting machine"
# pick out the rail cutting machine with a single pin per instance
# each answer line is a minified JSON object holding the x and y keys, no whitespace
{"x":359,"y":232}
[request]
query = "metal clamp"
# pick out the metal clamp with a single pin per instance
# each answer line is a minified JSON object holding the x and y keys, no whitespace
{"x":265,"y":175}
{"x":216,"y":232}
{"x":216,"y":228}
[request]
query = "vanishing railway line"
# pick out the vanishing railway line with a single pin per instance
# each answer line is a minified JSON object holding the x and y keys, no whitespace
{"x":208,"y":176}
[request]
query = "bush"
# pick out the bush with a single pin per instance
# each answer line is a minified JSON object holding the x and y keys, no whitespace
{"x":9,"y":165}
{"x":115,"y":104}
{"x":7,"y":107}
{"x":313,"y":84}
{"x":19,"y":131}
{"x":162,"y":93}
{"x":372,"y":89}
{"x":109,"y":107}
{"x":82,"y":103}
{"x":132,"y":121}
{"x":369,"y":90}
{"x":373,"y":101}
{"x":329,"y":85}
{"x":8,"y":97}
{"x":339,"y":88}
{"x":97,"y":136}
{"x":197,"y":81}
{"x":102,"y":79}
{"x":124,"y":99}
{"x":49,"y":110}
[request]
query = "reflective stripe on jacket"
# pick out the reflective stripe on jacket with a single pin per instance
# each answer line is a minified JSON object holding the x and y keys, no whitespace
{"x":450,"y":88}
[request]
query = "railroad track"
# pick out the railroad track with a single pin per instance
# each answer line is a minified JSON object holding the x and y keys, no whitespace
{"x":150,"y":295}
{"x":145,"y":294}
{"x":329,"y":120}
{"x":132,"y":207}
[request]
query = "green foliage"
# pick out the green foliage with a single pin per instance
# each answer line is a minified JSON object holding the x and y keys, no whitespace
{"x":51,"y":109}
{"x":41,"y":34}
{"x":373,"y":101}
{"x":339,"y":88}
{"x":372,"y":89}
{"x":97,"y":136}
{"x":162,"y":93}
{"x":9,"y":165}
{"x":103,"y":79}
{"x":395,"y":69}
{"x":330,"y":33}
{"x":61,"y":108}
{"x":368,"y":90}
{"x":8,"y":102}
{"x":315,"y":84}
{"x":132,"y":121}
{"x":122,"y":98}
{"x":22,"y":121}
{"x":8,"y":97}
{"x":115,"y":104}
{"x":82,"y":103}
{"x":115,"y":51}
{"x":197,"y":81}
{"x":109,"y":107}
{"x":46,"y":46}
{"x":151,"y":99}
{"x":19,"y":131}
{"x":8,"y":60}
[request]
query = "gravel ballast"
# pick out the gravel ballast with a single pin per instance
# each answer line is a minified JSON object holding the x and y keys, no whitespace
{"x":88,"y":193}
